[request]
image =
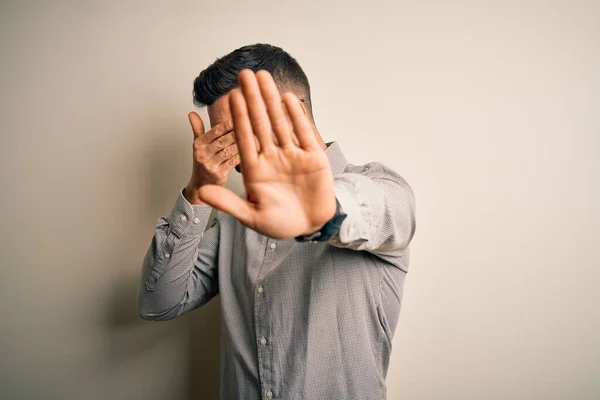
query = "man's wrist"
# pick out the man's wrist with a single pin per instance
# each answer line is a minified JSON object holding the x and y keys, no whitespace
{"x":190,"y":193}
{"x":317,"y":228}
{"x":329,"y":230}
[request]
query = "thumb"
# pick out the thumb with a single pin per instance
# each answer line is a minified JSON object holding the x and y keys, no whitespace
{"x":228,"y":202}
{"x":197,"y":124}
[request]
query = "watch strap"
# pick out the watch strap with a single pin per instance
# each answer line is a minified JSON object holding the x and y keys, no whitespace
{"x":329,"y":230}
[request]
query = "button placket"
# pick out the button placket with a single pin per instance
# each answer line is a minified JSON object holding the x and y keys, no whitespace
{"x":261,"y":328}
{"x":261,"y":321}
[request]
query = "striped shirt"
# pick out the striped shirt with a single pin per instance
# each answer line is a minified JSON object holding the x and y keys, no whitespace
{"x":299,"y":320}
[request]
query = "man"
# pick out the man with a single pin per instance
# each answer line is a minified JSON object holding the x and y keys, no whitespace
{"x":310,"y":264}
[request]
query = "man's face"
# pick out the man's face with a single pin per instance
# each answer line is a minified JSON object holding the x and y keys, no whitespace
{"x":219,"y":112}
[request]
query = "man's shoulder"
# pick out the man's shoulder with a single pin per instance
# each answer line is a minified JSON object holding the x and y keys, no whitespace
{"x":370,"y":168}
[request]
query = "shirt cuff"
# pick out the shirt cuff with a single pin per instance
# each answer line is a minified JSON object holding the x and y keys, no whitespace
{"x":188,"y":219}
{"x":353,"y":228}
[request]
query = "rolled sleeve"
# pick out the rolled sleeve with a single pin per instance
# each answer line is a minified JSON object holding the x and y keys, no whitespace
{"x":380,"y":210}
{"x":360,"y":223}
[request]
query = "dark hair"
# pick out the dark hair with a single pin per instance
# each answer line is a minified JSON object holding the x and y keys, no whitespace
{"x":222,"y":75}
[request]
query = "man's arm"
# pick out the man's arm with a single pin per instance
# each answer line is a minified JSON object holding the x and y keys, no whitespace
{"x":180,"y":268}
{"x":380,"y":208}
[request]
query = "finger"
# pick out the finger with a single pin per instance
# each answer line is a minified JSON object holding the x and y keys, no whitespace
{"x":257,"y":111}
{"x":303,"y":129}
{"x":228,"y":202}
{"x":244,"y":135}
{"x":230,"y":163}
{"x":221,"y":143}
{"x":275,"y":109}
{"x":289,"y":122}
{"x":217,"y":131}
{"x":197,"y":124}
{"x":225,"y":154}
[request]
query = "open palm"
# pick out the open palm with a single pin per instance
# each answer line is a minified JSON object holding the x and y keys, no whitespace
{"x":288,"y":181}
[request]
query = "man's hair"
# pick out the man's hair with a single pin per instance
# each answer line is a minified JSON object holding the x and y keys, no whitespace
{"x":222,"y":75}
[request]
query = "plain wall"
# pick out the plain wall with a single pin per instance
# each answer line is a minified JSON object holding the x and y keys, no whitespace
{"x":490,"y":109}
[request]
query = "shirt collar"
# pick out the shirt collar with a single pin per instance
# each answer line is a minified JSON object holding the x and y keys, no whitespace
{"x":337,"y":160}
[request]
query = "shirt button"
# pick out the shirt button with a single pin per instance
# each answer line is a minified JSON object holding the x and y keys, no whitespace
{"x":269,"y":394}
{"x":167,"y":255}
{"x":273,"y":246}
{"x":260,"y":290}
{"x":263,"y":341}
{"x":183,"y":218}
{"x":196,"y":220}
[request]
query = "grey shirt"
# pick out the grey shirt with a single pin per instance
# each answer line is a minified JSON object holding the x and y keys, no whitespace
{"x":299,"y":320}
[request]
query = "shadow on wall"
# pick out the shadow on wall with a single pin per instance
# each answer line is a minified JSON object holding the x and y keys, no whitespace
{"x":130,"y":336}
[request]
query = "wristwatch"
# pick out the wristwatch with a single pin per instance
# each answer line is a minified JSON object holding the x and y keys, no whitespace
{"x":329,"y":230}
